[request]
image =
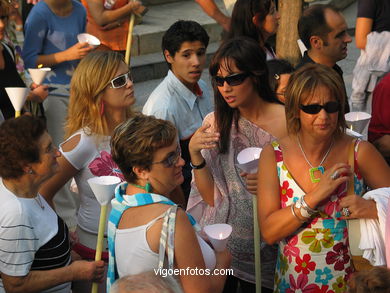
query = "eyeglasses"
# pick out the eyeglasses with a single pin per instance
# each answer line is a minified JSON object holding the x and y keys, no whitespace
{"x":171,"y":160}
{"x":329,"y":107}
{"x":232,"y":80}
{"x":121,"y":80}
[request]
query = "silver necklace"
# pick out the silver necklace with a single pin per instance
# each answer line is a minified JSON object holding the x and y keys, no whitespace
{"x":314,"y":169}
{"x":39,"y":202}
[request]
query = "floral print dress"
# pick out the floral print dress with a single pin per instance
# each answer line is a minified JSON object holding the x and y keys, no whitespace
{"x":316,"y":257}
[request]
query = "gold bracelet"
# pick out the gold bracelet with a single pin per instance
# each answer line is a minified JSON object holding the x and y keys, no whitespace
{"x":294,"y":214}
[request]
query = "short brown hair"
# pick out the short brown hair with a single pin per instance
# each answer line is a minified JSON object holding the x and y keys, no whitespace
{"x":303,"y":83}
{"x":5,"y":7}
{"x":135,"y":141}
{"x":19,"y":145}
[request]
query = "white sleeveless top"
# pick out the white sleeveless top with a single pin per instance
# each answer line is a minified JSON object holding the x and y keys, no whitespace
{"x":133,"y":254}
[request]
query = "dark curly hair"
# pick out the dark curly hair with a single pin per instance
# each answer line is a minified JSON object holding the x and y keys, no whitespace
{"x":19,"y":145}
{"x":135,"y":141}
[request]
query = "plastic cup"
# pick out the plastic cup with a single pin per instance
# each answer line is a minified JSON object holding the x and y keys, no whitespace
{"x":88,"y":38}
{"x":17,"y":96}
{"x":248,"y":159}
{"x":38,"y":75}
{"x":218,"y":235}
{"x":103,"y":187}
{"x":357,"y":121}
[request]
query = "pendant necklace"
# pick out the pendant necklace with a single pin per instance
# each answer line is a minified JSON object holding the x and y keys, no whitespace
{"x":314,"y":169}
{"x":39,"y":202}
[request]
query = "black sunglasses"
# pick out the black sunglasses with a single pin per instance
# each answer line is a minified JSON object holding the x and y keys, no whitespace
{"x":329,"y":107}
{"x":121,"y":80}
{"x":232,"y":80}
{"x":171,"y":159}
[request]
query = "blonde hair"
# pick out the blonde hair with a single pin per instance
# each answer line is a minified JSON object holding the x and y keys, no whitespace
{"x":90,"y":78}
{"x":302,"y":84}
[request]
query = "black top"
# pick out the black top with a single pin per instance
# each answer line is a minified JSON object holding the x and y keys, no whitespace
{"x":9,"y":77}
{"x":378,"y":10}
{"x":55,"y":253}
{"x":306,"y":59}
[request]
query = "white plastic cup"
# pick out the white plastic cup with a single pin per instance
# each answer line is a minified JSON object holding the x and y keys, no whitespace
{"x":88,"y":38}
{"x":17,"y":96}
{"x":248,"y":159}
{"x":218,"y":235}
{"x":103,"y":188}
{"x":357,"y":121}
{"x":38,"y":75}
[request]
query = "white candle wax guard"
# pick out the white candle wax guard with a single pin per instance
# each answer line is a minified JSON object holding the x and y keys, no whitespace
{"x":38,"y":75}
{"x":103,"y":187}
{"x":18,"y":96}
{"x":218,"y":235}
{"x":88,"y":38}
{"x":248,"y":159}
{"x":357,"y":121}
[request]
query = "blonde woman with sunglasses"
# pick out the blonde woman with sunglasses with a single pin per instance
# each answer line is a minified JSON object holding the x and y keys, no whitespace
{"x":247,"y":114}
{"x":101,"y":96}
{"x":303,"y":195}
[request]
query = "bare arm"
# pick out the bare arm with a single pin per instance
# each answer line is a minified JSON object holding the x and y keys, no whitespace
{"x":189,"y":254}
{"x":276,"y":222}
{"x":363,"y":28}
{"x":37,"y":281}
{"x":76,"y":52}
{"x":203,"y":178}
{"x":103,"y":16}
{"x":212,"y":10}
{"x":65,"y":173}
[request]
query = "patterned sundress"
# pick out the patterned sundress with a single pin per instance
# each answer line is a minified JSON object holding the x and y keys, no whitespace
{"x":316,"y":257}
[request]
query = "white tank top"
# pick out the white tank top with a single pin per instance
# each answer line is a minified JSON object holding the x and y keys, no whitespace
{"x":133,"y":254}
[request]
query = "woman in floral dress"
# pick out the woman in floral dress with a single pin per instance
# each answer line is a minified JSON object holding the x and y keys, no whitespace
{"x":303,"y":186}
{"x":101,"y":95}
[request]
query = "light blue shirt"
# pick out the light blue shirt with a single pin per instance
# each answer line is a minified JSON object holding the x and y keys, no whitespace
{"x":173,"y":101}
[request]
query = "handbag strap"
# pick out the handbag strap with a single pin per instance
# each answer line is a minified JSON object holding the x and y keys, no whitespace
{"x":167,"y":238}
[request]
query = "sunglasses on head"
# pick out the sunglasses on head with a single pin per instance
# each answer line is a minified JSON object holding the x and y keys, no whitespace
{"x":329,"y":107}
{"x":171,"y":159}
{"x":121,"y":80}
{"x":232,"y":80}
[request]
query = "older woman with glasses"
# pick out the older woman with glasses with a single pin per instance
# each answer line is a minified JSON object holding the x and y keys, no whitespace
{"x":35,"y":248}
{"x":247,"y":114}
{"x":101,"y":95}
{"x":303,"y":185}
{"x":146,"y":228}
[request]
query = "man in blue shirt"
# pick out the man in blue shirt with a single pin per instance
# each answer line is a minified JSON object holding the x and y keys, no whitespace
{"x":182,"y":97}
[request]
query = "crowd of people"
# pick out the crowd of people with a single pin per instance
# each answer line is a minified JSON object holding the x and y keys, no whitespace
{"x":177,"y":160}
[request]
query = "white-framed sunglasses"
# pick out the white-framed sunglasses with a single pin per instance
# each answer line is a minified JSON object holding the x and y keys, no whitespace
{"x":121,"y":80}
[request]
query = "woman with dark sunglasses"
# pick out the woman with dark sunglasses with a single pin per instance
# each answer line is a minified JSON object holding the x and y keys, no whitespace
{"x":247,"y":114}
{"x":140,"y":236}
{"x":101,"y":96}
{"x":303,"y":183}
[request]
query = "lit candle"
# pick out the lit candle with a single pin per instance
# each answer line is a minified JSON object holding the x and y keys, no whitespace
{"x":40,"y":66}
{"x":351,"y":127}
{"x":256,"y":156}
{"x":220,"y":236}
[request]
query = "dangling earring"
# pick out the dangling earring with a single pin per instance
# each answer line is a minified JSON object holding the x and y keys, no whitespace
{"x":148,"y":187}
{"x":101,"y":108}
{"x":30,"y":171}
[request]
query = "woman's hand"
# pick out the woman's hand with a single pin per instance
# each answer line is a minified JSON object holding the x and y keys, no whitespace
{"x":251,"y":182}
{"x":88,"y":270}
{"x":330,"y":180}
{"x":358,"y":207}
{"x":38,"y":93}
{"x":202,"y":139}
{"x":224,"y":258}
